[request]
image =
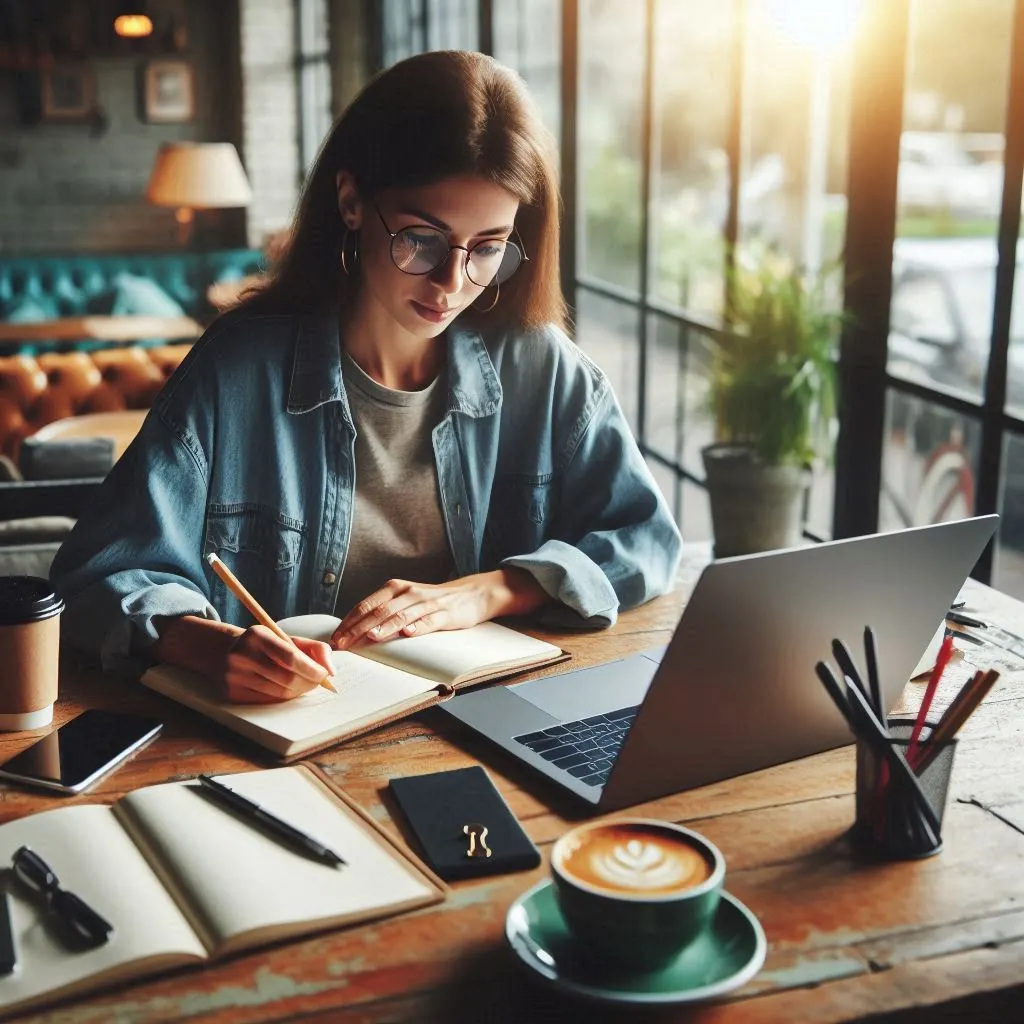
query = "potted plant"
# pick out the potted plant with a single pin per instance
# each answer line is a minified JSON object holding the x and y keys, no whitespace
{"x":772,"y":399}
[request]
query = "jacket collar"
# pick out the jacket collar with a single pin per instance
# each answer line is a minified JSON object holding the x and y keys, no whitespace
{"x":473,"y":385}
{"x":316,"y":370}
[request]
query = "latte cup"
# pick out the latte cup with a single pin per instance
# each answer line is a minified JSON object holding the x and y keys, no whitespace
{"x":636,"y":892}
{"x":29,"y":647}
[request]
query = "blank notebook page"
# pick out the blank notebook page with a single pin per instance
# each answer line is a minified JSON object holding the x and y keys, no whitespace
{"x":241,"y":880}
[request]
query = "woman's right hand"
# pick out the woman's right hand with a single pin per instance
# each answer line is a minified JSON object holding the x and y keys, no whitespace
{"x":261,"y":668}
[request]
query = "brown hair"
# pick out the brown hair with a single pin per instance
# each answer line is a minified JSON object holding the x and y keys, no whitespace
{"x":434,"y":116}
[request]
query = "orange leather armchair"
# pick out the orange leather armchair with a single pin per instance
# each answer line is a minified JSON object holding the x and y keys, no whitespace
{"x":38,"y":389}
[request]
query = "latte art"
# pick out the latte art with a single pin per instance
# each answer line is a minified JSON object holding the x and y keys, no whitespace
{"x":637,"y":859}
{"x":640,"y":865}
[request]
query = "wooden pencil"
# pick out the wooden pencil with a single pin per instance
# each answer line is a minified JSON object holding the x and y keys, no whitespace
{"x":255,"y":609}
{"x":955,"y":703}
{"x":955,"y":717}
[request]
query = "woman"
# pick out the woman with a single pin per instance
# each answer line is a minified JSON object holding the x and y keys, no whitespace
{"x":395,"y":429}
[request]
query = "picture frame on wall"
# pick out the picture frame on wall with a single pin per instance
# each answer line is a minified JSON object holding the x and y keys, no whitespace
{"x":168,"y":92}
{"x":67,"y":92}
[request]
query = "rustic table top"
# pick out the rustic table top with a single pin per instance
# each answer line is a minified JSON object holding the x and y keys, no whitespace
{"x":846,"y":939}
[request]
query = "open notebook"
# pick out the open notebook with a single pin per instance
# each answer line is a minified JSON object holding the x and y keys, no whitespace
{"x":376,"y":685}
{"x":183,"y":881}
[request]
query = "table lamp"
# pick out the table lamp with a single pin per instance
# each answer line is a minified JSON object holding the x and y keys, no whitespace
{"x":190,"y":176}
{"x":132,"y":22}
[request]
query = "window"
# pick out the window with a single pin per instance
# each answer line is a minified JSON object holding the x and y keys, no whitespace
{"x":528,"y":37}
{"x":921,"y":309}
{"x":796,"y":115}
{"x":702,"y":124}
{"x":1015,"y":366}
{"x":695,"y":64}
{"x":1008,"y":571}
{"x":610,"y":142}
{"x":929,"y":464}
{"x":414,"y":26}
{"x":949,"y":189}
{"x":314,"y":71}
{"x":954,"y":327}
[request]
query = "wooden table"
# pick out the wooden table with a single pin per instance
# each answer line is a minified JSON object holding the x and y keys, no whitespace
{"x":936,"y":940}
{"x":123,"y":329}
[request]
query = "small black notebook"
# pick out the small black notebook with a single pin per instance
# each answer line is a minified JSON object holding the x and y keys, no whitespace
{"x":447,"y":812}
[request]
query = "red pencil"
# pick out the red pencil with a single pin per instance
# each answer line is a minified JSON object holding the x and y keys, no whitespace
{"x":945,"y":651}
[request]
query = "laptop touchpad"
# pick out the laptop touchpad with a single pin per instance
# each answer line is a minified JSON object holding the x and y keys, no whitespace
{"x":590,"y":691}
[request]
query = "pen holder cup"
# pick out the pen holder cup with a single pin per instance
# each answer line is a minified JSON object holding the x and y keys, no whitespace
{"x":890,"y":824}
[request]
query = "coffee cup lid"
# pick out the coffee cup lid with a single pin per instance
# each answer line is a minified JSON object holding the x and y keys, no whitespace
{"x":27,"y":599}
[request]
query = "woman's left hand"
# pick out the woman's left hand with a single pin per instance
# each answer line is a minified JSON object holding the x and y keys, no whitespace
{"x":404,"y":608}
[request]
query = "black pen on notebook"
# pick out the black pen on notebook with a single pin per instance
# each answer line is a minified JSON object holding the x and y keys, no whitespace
{"x":255,"y":609}
{"x":281,"y":829}
{"x":965,"y":620}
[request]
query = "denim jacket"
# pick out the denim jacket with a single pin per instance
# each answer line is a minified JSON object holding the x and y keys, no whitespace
{"x":249,"y":452}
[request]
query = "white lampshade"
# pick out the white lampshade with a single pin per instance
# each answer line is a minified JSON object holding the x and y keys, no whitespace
{"x":198,"y":175}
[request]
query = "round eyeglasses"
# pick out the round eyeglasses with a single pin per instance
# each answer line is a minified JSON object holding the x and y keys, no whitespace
{"x":422,"y":249}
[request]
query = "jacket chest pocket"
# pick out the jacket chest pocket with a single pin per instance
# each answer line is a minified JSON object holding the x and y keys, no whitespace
{"x":519,"y":514}
{"x":262,"y":548}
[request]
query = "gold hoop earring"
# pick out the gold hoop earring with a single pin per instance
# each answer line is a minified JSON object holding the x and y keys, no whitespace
{"x":355,"y":251}
{"x":487,"y":309}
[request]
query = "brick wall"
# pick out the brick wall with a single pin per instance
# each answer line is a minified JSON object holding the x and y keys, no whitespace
{"x":269,"y":113}
{"x":64,"y":189}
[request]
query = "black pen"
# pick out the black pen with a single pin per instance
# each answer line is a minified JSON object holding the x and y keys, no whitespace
{"x":871,"y":655}
{"x":281,"y":829}
{"x":846,"y":665}
{"x":965,"y":620}
{"x":964,"y":636}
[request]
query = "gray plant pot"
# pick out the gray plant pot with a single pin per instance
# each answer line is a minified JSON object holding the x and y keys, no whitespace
{"x":754,"y":507}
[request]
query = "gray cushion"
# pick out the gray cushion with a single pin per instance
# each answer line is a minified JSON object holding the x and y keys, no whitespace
{"x":35,"y":530}
{"x":27,"y":559}
{"x":66,"y":460}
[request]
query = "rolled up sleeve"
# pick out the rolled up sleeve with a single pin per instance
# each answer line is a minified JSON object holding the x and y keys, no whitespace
{"x":135,"y":555}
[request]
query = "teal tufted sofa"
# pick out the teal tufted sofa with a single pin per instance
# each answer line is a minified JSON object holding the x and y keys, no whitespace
{"x":45,"y":381}
{"x":48,"y":287}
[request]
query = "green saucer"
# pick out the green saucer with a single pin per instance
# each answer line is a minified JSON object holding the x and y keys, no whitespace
{"x":729,"y":954}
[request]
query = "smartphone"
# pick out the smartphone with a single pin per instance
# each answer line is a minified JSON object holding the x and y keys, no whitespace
{"x":74,"y":756}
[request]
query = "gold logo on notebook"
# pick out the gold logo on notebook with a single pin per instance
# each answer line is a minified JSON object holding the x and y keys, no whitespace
{"x":477,"y":840}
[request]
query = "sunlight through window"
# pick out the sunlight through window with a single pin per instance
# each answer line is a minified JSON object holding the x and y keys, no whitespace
{"x":822,"y":27}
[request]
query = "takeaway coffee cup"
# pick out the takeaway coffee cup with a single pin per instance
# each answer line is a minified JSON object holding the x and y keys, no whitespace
{"x":29,"y":645}
{"x":636,"y":891}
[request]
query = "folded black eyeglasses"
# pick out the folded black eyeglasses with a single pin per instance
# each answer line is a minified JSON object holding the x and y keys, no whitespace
{"x":87,"y":926}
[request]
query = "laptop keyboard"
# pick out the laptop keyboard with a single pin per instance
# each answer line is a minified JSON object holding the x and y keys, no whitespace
{"x":586,"y":749}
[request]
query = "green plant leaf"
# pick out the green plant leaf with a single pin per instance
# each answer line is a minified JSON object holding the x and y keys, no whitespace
{"x":772,"y":382}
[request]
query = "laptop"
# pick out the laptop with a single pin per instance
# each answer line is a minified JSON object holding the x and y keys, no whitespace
{"x":735,"y":689}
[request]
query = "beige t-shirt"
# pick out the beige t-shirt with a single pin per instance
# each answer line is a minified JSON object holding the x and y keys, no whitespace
{"x":398,"y":529}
